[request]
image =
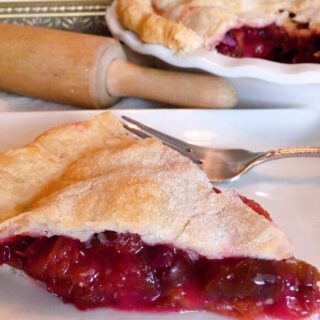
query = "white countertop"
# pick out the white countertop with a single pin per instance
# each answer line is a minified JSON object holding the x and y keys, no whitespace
{"x":10,"y":102}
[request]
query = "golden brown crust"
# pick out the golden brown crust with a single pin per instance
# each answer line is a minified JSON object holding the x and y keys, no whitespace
{"x":144,"y":187}
{"x":138,"y":16}
{"x":133,"y":13}
{"x":25,"y":173}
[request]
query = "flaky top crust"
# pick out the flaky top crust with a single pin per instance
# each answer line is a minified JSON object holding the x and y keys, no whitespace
{"x":193,"y":24}
{"x":103,"y":179}
{"x":25,"y":173}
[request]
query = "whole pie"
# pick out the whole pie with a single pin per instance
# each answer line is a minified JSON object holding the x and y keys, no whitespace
{"x":106,"y":220}
{"x":285,"y":31}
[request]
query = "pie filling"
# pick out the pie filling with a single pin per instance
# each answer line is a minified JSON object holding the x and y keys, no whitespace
{"x":273,"y":43}
{"x":119,"y":270}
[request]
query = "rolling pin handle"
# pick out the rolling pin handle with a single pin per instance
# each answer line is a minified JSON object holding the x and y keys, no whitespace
{"x":184,"y":89}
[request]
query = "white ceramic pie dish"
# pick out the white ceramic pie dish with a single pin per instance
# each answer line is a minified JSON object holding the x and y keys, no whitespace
{"x":260,"y":83}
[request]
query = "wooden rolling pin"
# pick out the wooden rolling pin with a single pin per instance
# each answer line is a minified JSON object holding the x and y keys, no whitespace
{"x":92,"y":72}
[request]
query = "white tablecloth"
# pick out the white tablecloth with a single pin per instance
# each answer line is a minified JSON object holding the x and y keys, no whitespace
{"x":10,"y":102}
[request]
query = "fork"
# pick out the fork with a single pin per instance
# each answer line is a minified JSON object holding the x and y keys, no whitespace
{"x":220,"y":165}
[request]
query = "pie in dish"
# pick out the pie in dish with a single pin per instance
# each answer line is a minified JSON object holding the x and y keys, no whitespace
{"x":106,"y":220}
{"x":285,"y":31}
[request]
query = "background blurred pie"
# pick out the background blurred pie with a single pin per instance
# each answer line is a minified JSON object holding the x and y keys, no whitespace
{"x":279,"y":30}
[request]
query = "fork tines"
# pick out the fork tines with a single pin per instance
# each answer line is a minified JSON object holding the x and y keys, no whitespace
{"x":143,"y":131}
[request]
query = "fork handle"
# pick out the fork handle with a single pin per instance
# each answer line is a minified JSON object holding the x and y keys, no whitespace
{"x":290,"y":152}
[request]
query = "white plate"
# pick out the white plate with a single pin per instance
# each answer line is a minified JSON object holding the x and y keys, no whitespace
{"x":260,"y":83}
{"x":289,"y":189}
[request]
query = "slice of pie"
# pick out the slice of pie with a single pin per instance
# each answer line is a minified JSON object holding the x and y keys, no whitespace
{"x":105,"y":220}
{"x":279,"y":30}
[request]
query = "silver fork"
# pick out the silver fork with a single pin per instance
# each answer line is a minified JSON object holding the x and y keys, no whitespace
{"x":220,"y":165}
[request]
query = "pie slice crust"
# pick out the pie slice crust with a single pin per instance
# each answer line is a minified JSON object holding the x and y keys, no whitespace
{"x":57,"y":186}
{"x":87,"y":197}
